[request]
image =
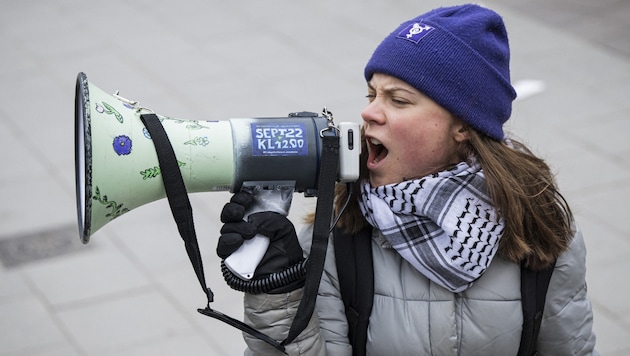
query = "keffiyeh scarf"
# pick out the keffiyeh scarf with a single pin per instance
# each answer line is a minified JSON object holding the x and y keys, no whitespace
{"x":443,"y":224}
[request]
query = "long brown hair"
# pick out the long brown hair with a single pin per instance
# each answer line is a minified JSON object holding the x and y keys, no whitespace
{"x":538,"y":220}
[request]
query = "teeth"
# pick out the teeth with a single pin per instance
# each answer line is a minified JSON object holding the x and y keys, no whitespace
{"x":375,"y":142}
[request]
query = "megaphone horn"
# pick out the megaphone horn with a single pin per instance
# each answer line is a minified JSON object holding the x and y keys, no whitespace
{"x":117,"y":168}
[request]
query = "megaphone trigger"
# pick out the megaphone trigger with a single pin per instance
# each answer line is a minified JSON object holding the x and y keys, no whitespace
{"x":268,"y":196}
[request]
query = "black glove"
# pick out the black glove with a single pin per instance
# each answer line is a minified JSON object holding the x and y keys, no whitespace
{"x":284,"y":249}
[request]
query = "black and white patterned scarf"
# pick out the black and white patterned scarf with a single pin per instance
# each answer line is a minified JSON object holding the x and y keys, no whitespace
{"x":443,"y":224}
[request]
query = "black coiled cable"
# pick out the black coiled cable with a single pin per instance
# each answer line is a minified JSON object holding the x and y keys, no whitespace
{"x":265,"y":284}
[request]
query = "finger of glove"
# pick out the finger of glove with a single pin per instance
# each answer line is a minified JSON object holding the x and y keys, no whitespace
{"x":235,"y":209}
{"x":232,"y":212}
{"x":228,"y":243}
{"x":273,"y":225}
{"x":243,"y":228}
{"x":243,"y":198}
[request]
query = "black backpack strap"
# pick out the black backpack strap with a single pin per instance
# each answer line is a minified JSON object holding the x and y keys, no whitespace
{"x":355,"y":270}
{"x":534,"y":285}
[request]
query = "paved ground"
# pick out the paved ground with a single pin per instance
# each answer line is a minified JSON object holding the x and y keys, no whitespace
{"x":131,"y":291}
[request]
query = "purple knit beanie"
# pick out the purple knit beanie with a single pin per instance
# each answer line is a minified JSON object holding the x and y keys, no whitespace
{"x":458,"y":56}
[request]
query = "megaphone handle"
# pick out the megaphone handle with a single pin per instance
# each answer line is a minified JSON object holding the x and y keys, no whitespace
{"x":268,"y":196}
{"x":243,"y":262}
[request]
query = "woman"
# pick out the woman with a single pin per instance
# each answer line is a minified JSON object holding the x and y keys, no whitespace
{"x":454,"y":208}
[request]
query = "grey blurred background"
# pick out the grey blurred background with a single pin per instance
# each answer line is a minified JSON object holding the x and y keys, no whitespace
{"x":132,"y":291}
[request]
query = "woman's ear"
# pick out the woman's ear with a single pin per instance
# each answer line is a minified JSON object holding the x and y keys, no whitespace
{"x":461,"y":132}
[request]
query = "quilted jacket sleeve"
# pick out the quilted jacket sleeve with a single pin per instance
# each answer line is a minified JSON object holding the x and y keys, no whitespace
{"x":567,"y":325}
{"x":272,"y":314}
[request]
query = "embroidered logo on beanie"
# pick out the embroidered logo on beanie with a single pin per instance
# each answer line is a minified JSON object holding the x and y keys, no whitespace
{"x":415,"y":32}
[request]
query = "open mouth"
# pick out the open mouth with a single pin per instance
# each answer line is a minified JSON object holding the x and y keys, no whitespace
{"x":377,"y":151}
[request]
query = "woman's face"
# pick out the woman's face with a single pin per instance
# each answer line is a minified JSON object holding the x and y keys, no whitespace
{"x":408,"y":135}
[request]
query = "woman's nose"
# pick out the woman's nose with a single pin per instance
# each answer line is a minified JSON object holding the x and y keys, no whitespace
{"x":372,"y":113}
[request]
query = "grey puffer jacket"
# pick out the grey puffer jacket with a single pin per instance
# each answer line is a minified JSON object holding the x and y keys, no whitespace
{"x":414,"y":316}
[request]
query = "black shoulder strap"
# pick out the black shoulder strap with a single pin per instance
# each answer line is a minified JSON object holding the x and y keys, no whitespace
{"x":355,"y":270}
{"x":534,"y":285}
{"x":321,"y":234}
{"x":182,"y":213}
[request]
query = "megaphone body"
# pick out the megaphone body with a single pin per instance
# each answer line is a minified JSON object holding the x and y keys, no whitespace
{"x":117,"y":168}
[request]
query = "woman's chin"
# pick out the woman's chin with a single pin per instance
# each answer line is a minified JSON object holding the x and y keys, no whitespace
{"x":377,"y":180}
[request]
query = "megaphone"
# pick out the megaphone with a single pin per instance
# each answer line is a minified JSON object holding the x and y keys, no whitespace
{"x":117,"y":168}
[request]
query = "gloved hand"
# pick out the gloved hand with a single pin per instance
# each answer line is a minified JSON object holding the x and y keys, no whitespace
{"x":284,"y":249}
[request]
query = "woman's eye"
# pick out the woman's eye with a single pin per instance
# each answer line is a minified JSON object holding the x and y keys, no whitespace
{"x":370,"y":97}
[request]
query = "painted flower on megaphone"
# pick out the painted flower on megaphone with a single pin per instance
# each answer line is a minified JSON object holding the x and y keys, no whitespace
{"x":122,"y":145}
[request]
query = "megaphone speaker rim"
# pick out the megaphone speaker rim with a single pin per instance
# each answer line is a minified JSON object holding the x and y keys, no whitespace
{"x":83,"y":157}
